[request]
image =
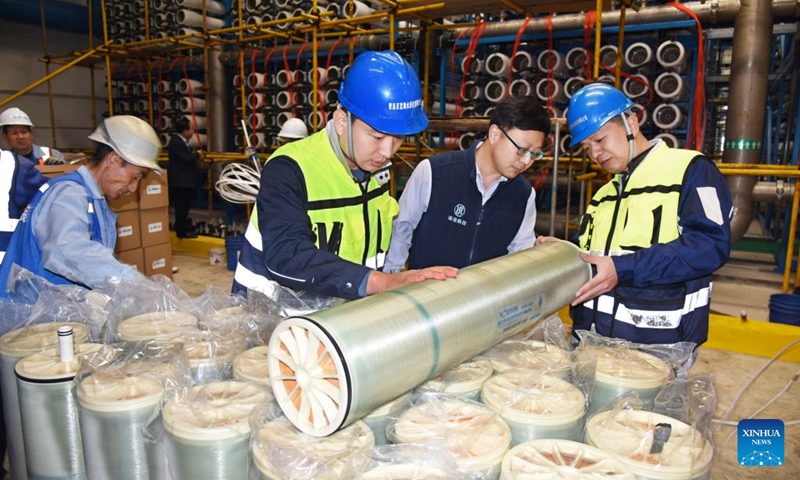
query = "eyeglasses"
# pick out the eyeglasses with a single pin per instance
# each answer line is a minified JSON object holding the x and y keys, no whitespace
{"x":524,"y":152}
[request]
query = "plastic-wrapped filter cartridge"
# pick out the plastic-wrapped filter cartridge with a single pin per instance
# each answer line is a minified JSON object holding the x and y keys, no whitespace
{"x":156,"y":326}
{"x":497,"y":64}
{"x":519,"y":353}
{"x":14,"y":346}
{"x":562,"y":459}
{"x":672,"y":56}
{"x":251,"y":365}
{"x":463,"y":381}
{"x":323,"y":362}
{"x":552,"y":60}
{"x":639,"y":55}
{"x":669,"y":116}
{"x":536,"y":405}
{"x":671,"y":87}
{"x":651,"y":445}
{"x":211,"y":355}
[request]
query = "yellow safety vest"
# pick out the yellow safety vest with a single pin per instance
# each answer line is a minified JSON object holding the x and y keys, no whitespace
{"x":352,"y":223}
{"x":647,"y":211}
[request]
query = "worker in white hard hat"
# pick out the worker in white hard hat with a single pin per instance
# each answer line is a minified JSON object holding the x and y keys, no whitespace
{"x":18,"y":133}
{"x":292,"y":129}
{"x":68,"y":232}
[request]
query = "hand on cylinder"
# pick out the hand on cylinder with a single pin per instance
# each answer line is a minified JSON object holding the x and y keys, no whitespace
{"x":379,"y":282}
{"x":543,"y":240}
{"x":604,"y":280}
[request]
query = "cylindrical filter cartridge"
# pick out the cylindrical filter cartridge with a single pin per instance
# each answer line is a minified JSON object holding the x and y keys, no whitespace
{"x":523,"y":354}
{"x":333,"y":74}
{"x":256,"y":121}
{"x":472,"y":90}
{"x":258,"y":139}
{"x":473,"y":433}
{"x":156,"y":326}
{"x":257,"y":100}
{"x":535,"y":405}
{"x":140,"y":106}
{"x":164,"y":138}
{"x":561,"y":459}
{"x":282,"y":117}
{"x":552,"y":60}
{"x":320,"y":361}
{"x":465,"y":140}
{"x":463,"y":381}
{"x":550,"y":90}
{"x":49,"y":413}
{"x":576,"y":58}
{"x":163,"y":87}
{"x":193,"y":87}
{"x":281,"y":452}
{"x":258,"y":80}
{"x":449,"y":109}
{"x":357,"y":9}
{"x":566,"y":139}
{"x":212,"y":7}
{"x":671,"y":87}
{"x":671,"y":140}
{"x":284,"y":78}
{"x":251,"y":365}
{"x":471,"y":64}
{"x":164,"y":122}
{"x":631,"y":436}
{"x":642,"y":114}
{"x":14,"y":346}
{"x":672,"y":56}
{"x":165,"y":104}
{"x":190,"y":18}
{"x":320,"y":118}
{"x":522,"y":62}
{"x":496,"y":90}
{"x":668,"y":116}
{"x":198,"y":140}
{"x":521,"y":88}
{"x":209,"y":432}
{"x":620,"y":370}
{"x":198,"y":121}
{"x":187,"y":104}
{"x":497,"y":64}
{"x":211,"y":355}
{"x":141,"y":89}
{"x":572,"y":85}
{"x":253,"y":20}
{"x":639,"y":55}
{"x":285,"y":99}
{"x":114,"y":411}
{"x":635,"y":86}
{"x":608,"y":56}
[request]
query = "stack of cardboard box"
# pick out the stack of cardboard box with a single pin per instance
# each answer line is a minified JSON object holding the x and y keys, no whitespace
{"x":143,"y":227}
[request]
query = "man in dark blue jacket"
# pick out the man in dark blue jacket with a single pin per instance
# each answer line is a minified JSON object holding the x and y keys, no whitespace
{"x":19,"y":182}
{"x":183,"y":171}
{"x":465,"y":207}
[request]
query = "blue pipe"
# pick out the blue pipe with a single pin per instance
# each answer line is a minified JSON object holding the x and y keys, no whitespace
{"x":62,"y":16}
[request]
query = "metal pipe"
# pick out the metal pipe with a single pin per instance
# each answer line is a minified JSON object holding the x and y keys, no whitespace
{"x":364,"y":42}
{"x":770,"y":192}
{"x":787,"y":263}
{"x":744,"y":128}
{"x":220,"y":101}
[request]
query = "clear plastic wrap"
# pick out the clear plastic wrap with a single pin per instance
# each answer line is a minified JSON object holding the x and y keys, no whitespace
{"x":624,"y":366}
{"x":464,"y":380}
{"x":379,"y":418}
{"x":411,"y":462}
{"x":475,"y":434}
{"x":211,"y":353}
{"x":281,"y":452}
{"x":119,"y":399}
{"x":286,"y":302}
{"x":561,"y":459}
{"x":207,"y":432}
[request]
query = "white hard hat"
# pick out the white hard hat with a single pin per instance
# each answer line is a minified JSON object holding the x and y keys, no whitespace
{"x":15,"y":116}
{"x":293,"y":128}
{"x":132,"y":138}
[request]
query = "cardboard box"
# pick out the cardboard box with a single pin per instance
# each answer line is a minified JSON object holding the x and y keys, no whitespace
{"x":158,"y":259}
{"x":52,"y":171}
{"x":133,"y":257}
{"x":153,"y":191}
{"x":128,"y":231}
{"x":124,"y":203}
{"x":155,"y":226}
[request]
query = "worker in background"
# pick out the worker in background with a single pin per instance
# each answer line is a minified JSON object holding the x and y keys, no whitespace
{"x":19,"y":182}
{"x":654,"y":234}
{"x":18,"y":133}
{"x":292,"y":129}
{"x":68,"y":232}
{"x":323,"y":215}
{"x":468,"y":206}
{"x":183,"y":173}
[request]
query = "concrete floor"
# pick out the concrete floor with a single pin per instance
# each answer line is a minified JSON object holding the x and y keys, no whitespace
{"x":743,"y":285}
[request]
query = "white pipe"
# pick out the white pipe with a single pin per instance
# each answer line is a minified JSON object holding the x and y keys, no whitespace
{"x":333,"y":74}
{"x":638,"y":55}
{"x":257,"y":80}
{"x":552,"y":60}
{"x":641,"y":114}
{"x":322,"y":76}
{"x":141,"y":89}
{"x":256,"y":121}
{"x":497,"y":64}
{"x":465,"y":140}
{"x":521,"y":88}
{"x":320,"y":118}
{"x":212,"y":7}
{"x":161,"y":20}
{"x":162,"y":34}
{"x":472,"y":91}
{"x":258,"y":140}
{"x":495,"y":90}
{"x":189,"y":18}
{"x":565,"y":140}
{"x":282,"y":117}
{"x":186,"y":105}
{"x":256,"y":100}
{"x":282,"y":16}
{"x":194,"y":143}
{"x":550,"y":89}
{"x":163,"y":86}
{"x":285,"y":99}
{"x":475,"y":65}
{"x":356,"y":9}
{"x":576,"y":58}
{"x":488,"y":111}
{"x":284,"y":78}
{"x":164,"y":104}
{"x":238,"y":140}
{"x":140,"y":106}
{"x":449,"y":109}
{"x":282,"y":4}
{"x":634,"y":87}
{"x":190,"y":31}
{"x":522,"y":62}
{"x":668,"y":116}
{"x":252,"y":6}
{"x":331,"y":96}
{"x":195,"y":85}
{"x":672,"y":56}
{"x":671,"y":86}
{"x":671,"y":140}
{"x":164,"y":122}
{"x":163,"y":138}
{"x":199,"y":122}
{"x":253,"y":20}
{"x":237,"y":81}
{"x":608,"y":56}
{"x":336,"y":11}
{"x":572,"y":85}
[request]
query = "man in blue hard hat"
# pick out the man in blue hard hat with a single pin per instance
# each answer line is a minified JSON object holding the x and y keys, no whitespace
{"x":323,"y":215}
{"x":654,"y":234}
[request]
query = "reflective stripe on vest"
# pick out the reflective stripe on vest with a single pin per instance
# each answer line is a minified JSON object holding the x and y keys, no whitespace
{"x":659,"y":319}
{"x":46,"y":153}
{"x":646,"y":214}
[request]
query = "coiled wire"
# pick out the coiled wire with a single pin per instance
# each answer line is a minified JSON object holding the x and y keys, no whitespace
{"x":238,"y":183}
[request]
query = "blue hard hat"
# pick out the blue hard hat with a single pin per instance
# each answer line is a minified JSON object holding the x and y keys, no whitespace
{"x":383,"y":91}
{"x":591,"y":107}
